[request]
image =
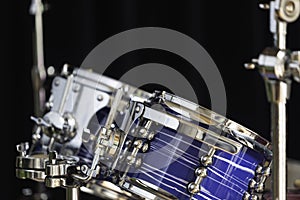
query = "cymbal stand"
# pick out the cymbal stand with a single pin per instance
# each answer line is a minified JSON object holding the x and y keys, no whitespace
{"x":278,"y":66}
{"x":38,"y":72}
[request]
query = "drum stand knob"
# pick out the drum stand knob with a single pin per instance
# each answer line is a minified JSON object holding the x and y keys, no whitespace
{"x":22,"y":148}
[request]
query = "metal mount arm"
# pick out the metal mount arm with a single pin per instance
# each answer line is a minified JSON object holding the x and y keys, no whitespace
{"x":278,"y":66}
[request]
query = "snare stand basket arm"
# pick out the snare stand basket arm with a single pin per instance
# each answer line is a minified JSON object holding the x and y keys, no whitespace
{"x":278,"y":66}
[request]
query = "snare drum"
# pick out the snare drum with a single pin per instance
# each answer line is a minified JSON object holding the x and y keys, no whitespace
{"x":198,"y":154}
{"x":153,"y":146}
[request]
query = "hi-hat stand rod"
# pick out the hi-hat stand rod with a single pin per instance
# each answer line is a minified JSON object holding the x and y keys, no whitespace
{"x":72,"y":193}
{"x":277,"y":66}
{"x":38,"y":72}
{"x":277,"y":96}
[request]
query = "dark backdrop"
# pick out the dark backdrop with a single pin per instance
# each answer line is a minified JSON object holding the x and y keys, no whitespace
{"x":232,"y":32}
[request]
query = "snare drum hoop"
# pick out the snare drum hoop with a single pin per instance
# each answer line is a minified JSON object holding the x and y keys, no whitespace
{"x":215,"y":121}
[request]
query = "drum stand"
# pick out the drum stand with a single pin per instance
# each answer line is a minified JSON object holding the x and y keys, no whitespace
{"x":38,"y":72}
{"x":278,"y":66}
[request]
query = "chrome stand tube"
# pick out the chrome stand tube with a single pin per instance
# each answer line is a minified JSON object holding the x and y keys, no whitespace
{"x":72,"y":193}
{"x":279,"y":151}
{"x":277,"y":66}
{"x":277,"y":92}
{"x":38,"y":72}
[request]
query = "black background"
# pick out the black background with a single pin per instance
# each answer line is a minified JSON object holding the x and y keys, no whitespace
{"x":232,"y":32}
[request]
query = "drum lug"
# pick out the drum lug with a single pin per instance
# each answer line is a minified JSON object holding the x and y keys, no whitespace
{"x":265,"y":173}
{"x":207,"y":159}
{"x":201,"y":172}
{"x":248,"y":196}
{"x":194,"y":187}
{"x":257,"y":185}
{"x":252,"y":184}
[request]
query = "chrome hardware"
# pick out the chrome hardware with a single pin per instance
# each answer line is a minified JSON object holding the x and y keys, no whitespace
{"x":108,"y":142}
{"x":61,"y":128}
{"x":71,"y":96}
{"x":211,"y":119}
{"x":89,"y":173}
{"x":58,"y":176}
{"x":275,"y":63}
{"x":132,"y":159}
{"x":194,"y":187}
{"x":67,"y":70}
{"x":99,"y":97}
{"x":55,"y":167}
{"x":183,"y":126}
{"x":113,"y":110}
{"x":207,"y":159}
{"x":257,"y":184}
{"x":145,"y":147}
{"x":151,"y":135}
{"x":22,"y":148}
{"x":144,"y":130}
{"x":87,"y":136}
{"x":107,"y":190}
{"x":294,"y":65}
{"x":109,"y":138}
{"x":145,"y":190}
{"x":125,"y":151}
{"x":74,"y":100}
{"x":76,"y":96}
{"x":252,"y":184}
{"x":278,"y":66}
{"x":248,"y":196}
{"x":30,"y":166}
{"x":138,"y":162}
{"x":72,"y":193}
{"x":131,"y":114}
{"x":201,"y":172}
{"x":262,"y":173}
{"x":106,"y":145}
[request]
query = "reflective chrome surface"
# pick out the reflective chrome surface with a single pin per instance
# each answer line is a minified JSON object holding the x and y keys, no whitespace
{"x":278,"y":66}
{"x":108,"y":190}
{"x":213,"y":120}
{"x":76,"y":97}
